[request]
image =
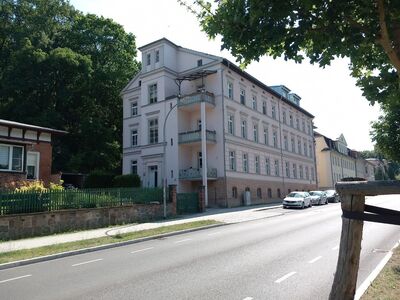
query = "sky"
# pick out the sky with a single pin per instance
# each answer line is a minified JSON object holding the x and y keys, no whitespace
{"x":329,"y":94}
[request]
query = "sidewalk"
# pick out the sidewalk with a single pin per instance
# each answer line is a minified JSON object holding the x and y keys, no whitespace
{"x":226,"y":215}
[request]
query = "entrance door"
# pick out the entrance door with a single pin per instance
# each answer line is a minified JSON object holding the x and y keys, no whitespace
{"x":153,"y":176}
{"x":32,"y":165}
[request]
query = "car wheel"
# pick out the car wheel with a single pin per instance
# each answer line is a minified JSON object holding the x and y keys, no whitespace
{"x":319,"y":202}
{"x":326,"y":201}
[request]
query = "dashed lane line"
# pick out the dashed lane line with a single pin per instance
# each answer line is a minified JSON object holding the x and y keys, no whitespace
{"x":87,"y":262}
{"x":285,"y":277}
{"x":315,"y":259}
{"x":182,"y":241}
{"x":15,"y":278}
{"x":141,"y":250}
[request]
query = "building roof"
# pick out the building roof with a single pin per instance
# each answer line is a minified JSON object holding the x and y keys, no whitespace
{"x":13,"y":124}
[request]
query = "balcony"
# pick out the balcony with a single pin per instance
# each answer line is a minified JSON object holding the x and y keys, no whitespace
{"x":197,"y":98}
{"x":195,"y":137}
{"x":196,"y":174}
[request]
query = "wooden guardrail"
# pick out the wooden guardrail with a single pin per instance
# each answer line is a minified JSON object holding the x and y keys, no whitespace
{"x":353,"y":206}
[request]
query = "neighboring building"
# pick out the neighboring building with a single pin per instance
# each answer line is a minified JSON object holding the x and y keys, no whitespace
{"x":25,"y":152}
{"x":229,"y":132}
{"x":380,"y":166}
{"x":336,"y":161}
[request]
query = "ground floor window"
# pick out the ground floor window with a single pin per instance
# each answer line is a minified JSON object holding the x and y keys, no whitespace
{"x":11,"y":157}
{"x":234,"y":192}
{"x":269,"y":193}
{"x":134,"y":167}
{"x":259,"y":194}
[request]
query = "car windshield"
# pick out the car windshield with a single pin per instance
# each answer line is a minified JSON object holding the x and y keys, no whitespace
{"x":295,"y":195}
{"x":314,"y":193}
{"x":330,"y":192}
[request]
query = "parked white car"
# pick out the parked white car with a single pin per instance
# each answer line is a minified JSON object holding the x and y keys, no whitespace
{"x":318,"y":197}
{"x":297,"y":199}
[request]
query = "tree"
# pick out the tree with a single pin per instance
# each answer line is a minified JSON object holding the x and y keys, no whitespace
{"x":60,"y":68}
{"x":366,"y":31}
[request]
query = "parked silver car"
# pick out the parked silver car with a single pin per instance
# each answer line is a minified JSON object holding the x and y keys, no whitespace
{"x":318,"y":197}
{"x":297,"y":199}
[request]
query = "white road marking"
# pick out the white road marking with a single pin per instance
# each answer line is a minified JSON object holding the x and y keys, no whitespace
{"x":214,"y":233}
{"x":15,"y":278}
{"x":182,"y":241}
{"x":248,"y":298}
{"x":87,"y":262}
{"x":315,"y":259}
{"x":336,"y":247}
{"x":141,"y":250}
{"x":285,"y":277}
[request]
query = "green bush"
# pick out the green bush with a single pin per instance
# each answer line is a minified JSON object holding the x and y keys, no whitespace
{"x":129,"y":180}
{"x":99,"y":179}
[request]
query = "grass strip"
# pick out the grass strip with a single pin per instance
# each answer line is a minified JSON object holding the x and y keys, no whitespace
{"x":387,"y":285}
{"x":58,"y":248}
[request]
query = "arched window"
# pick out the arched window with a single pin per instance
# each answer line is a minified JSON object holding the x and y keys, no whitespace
{"x":234,"y":192}
{"x":269,"y":193}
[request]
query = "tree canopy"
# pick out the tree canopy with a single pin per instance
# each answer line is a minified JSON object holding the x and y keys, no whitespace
{"x":63,"y":69}
{"x":365,"y":31}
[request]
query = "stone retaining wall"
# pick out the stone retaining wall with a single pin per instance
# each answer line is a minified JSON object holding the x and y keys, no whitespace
{"x":45,"y":223}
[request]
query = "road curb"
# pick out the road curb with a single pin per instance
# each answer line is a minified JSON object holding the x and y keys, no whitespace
{"x":371,"y":277}
{"x":29,"y":261}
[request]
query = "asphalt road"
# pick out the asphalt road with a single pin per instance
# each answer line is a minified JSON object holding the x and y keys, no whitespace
{"x":290,"y":256}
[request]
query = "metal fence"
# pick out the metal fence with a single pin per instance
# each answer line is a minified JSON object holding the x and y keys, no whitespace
{"x":29,"y":202}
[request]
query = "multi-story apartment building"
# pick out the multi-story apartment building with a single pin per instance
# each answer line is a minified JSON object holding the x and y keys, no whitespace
{"x":195,"y":119}
{"x":335,"y":161}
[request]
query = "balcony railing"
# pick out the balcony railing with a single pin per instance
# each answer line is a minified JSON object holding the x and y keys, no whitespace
{"x":190,"y":174}
{"x":195,"y":136}
{"x":197,"y":98}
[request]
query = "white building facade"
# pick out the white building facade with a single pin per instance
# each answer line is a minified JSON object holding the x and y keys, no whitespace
{"x":224,"y":129}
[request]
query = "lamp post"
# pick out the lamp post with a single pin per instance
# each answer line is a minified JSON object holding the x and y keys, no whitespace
{"x":165,"y":159}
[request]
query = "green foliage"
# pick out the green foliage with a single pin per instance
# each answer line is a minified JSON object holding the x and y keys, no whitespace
{"x":129,"y":180}
{"x":60,"y":68}
{"x":367,"y":32}
{"x":99,"y":179}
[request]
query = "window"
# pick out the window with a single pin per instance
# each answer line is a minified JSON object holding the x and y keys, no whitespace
{"x":267,"y":166}
{"x":291,"y":120}
{"x":308,"y":128}
{"x":234,"y":192}
{"x":153,"y":131}
{"x":273,"y":112}
{"x":11,"y":158}
{"x":269,"y":193}
{"x":305,"y":148}
{"x":293,"y":145}
{"x":307,"y":174}
{"x":265,"y":135}
{"x":264,"y":107}
{"x":297,"y":123}
{"x":172,"y":173}
{"x":172,"y":141}
{"x":133,"y":166}
{"x":286,"y":142}
{"x":134,"y":109}
{"x":232,"y":161}
{"x":276,"y":165}
{"x":301,"y":172}
{"x":230,"y":90}
{"x":303,"y":123}
{"x":245,"y":163}
{"x":153,"y":93}
{"x":157,"y":56}
{"x":287,"y":169}
{"x":259,"y":194}
{"x":244,"y":129}
{"x":148,"y":59}
{"x":231,"y":122}
{"x":275,"y":139}
{"x":255,"y":133}
{"x":310,"y":151}
{"x":257,"y":164}
{"x":299,"y":146}
{"x":254,"y":102}
{"x":294,"y":171}
{"x":312,"y":173}
{"x":199,"y":160}
{"x":199,"y":62}
{"x":284,"y":117}
{"x":278,"y":192}
{"x":242,"y":96}
{"x":134,"y":139}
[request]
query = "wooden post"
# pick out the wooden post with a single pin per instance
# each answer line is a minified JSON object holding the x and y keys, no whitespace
{"x":344,"y":283}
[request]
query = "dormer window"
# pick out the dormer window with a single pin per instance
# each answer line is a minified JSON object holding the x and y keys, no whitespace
{"x":157,"y":56}
{"x":199,"y":62}
{"x":148,"y":57}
